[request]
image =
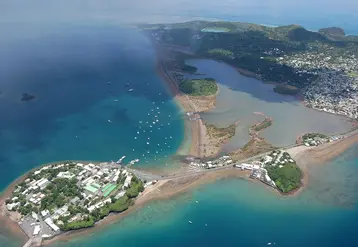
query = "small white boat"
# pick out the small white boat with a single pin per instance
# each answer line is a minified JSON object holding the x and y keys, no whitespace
{"x":131,"y":90}
{"x":109,"y":121}
{"x":116,"y":100}
{"x":269,"y":243}
{"x":196,"y":201}
{"x":190,"y":222}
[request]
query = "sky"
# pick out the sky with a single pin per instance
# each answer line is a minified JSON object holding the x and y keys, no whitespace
{"x":174,"y":10}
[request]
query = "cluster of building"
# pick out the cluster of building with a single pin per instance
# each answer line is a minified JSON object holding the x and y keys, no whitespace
{"x":219,"y":162}
{"x":316,"y":139}
{"x":334,"y":92}
{"x":96,"y":185}
{"x":258,"y":168}
{"x":335,"y":89}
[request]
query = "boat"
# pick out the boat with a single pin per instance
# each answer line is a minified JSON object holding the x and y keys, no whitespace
{"x":109,"y":121}
{"x":131,"y":90}
{"x":120,"y":160}
{"x":190,"y":222}
{"x":269,"y":243}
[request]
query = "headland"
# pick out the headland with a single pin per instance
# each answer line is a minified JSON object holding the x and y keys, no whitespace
{"x":61,"y":200}
{"x":163,"y":187}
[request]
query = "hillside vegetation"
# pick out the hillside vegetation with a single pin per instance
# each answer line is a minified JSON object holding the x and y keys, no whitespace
{"x":199,"y":87}
{"x":259,"y":48}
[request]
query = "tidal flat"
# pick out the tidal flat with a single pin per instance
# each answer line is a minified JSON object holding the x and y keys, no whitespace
{"x":240,"y":97}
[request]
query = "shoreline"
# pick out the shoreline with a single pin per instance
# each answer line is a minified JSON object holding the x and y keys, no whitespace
{"x":196,"y":127}
{"x":163,"y":190}
{"x":166,"y":189}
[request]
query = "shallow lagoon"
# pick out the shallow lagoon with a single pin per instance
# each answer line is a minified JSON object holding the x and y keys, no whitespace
{"x":239,"y":96}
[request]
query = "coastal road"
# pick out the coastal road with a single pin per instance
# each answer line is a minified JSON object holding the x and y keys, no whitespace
{"x":150,"y":177}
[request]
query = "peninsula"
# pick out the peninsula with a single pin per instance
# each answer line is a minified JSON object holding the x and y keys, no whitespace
{"x":321,"y":66}
{"x":54,"y":200}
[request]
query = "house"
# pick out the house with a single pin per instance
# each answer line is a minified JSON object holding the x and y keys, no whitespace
{"x":44,"y":213}
{"x":37,"y":229}
{"x":11,"y":206}
{"x":66,"y":174}
{"x":52,"y":225}
{"x":43,"y":183}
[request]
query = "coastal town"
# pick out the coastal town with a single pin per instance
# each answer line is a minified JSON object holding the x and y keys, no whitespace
{"x":324,"y":70}
{"x":65,"y":196}
{"x":69,"y":196}
{"x":271,"y":169}
{"x":335,"y":88}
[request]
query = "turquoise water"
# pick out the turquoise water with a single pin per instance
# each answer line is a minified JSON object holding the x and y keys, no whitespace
{"x":83,"y":110}
{"x":236,"y":212}
{"x":64,"y":52}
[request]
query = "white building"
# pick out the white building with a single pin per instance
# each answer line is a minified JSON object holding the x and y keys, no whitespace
{"x":37,"y":229}
{"x":128,"y":181}
{"x":66,"y":174}
{"x":50,"y":223}
{"x":120,"y":194}
{"x":44,"y":213}
{"x":11,"y":206}
{"x":43,"y":183}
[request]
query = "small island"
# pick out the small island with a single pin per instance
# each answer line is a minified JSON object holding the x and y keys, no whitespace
{"x":286,"y":89}
{"x":267,"y":122}
{"x":277,"y":170}
{"x":69,"y":196}
{"x":199,"y":87}
{"x":27,"y":97}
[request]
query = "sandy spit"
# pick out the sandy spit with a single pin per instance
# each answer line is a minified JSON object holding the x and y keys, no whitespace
{"x":308,"y":156}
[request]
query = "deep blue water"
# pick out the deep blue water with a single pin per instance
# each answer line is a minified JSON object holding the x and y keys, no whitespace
{"x":79,"y":75}
{"x":64,"y":52}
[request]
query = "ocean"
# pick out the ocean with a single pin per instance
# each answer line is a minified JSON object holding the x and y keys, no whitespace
{"x":81,"y":76}
{"x":76,"y":59}
{"x":236,"y":212}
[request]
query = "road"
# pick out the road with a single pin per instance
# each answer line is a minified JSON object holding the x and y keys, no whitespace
{"x":150,"y":177}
